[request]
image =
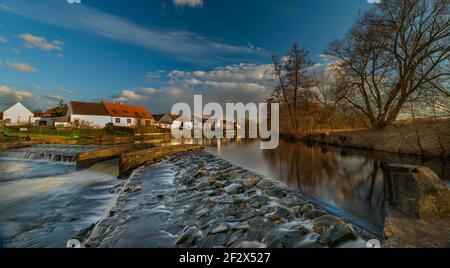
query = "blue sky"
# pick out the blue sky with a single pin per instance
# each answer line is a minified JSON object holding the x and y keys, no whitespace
{"x":156,"y":52}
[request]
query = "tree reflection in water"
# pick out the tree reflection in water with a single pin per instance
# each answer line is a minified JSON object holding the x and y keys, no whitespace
{"x":350,"y":180}
{"x":352,"y":183}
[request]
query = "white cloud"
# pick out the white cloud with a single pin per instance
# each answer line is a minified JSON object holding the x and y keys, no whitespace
{"x":190,"y":3}
{"x":233,"y":83}
{"x":11,"y":95}
{"x":184,"y":45}
{"x":3,"y":40}
{"x":54,"y":98}
{"x":373,"y":1}
{"x":155,"y":75}
{"x":132,"y":95}
{"x":22,"y":67}
{"x":33,"y":41}
{"x":149,"y":90}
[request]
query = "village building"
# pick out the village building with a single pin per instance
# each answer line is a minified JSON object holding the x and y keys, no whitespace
{"x":168,"y":120}
{"x":100,"y":115}
{"x":87,"y":114}
{"x":129,"y":116}
{"x":17,"y":115}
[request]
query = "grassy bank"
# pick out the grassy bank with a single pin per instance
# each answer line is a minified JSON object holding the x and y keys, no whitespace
{"x":41,"y":134}
{"x":428,"y":138}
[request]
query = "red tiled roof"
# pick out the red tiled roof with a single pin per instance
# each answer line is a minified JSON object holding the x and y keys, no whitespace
{"x":122,"y":110}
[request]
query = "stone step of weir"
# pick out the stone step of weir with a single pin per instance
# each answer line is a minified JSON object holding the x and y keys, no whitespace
{"x":87,"y":158}
{"x":130,"y":161}
{"x":15,"y":145}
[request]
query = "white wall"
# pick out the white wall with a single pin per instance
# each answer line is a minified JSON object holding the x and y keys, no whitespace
{"x":133,"y":122}
{"x":98,"y":121}
{"x":18,"y":114}
{"x":123,"y":122}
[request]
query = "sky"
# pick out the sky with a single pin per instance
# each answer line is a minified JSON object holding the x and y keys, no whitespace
{"x":157,"y":52}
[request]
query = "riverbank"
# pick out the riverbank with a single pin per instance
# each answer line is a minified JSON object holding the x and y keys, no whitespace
{"x":423,"y":138}
{"x":199,"y":200}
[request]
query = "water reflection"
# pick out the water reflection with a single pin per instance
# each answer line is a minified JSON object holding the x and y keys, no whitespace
{"x":350,"y":181}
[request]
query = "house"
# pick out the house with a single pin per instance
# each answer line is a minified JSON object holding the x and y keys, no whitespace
{"x":87,"y":114}
{"x":17,"y":114}
{"x":168,"y":120}
{"x":129,"y":116}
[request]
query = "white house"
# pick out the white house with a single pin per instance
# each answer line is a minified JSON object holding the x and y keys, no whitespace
{"x":88,"y":114}
{"x":17,"y":114}
{"x":169,"y":120}
{"x":123,"y":115}
{"x":99,"y":115}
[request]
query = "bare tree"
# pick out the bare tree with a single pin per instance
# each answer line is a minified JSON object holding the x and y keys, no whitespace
{"x":397,"y":49}
{"x":292,"y":75}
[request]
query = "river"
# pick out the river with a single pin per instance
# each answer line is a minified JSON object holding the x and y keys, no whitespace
{"x":44,"y":201}
{"x":348,"y":182}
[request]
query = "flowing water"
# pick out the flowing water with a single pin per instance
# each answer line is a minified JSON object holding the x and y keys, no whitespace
{"x":348,"y":182}
{"x":44,"y":201}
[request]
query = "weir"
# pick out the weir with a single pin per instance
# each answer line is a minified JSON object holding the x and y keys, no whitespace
{"x":45,"y":152}
{"x":130,"y":161}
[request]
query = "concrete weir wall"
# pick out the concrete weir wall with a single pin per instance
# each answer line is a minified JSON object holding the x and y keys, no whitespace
{"x":14,"y":145}
{"x":130,"y":161}
{"x":87,"y":158}
{"x":419,"y":208}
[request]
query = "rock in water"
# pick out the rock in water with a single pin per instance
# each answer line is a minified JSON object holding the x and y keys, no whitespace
{"x":250,"y":181}
{"x":325,"y":223}
{"x":220,"y":229}
{"x":251,"y":244}
{"x":338,"y":234}
{"x":235,"y":189}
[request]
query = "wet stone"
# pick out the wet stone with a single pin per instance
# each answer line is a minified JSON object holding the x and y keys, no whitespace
{"x":314,"y":213}
{"x":220,"y":229}
{"x":251,"y":244}
{"x":234,"y":189}
{"x":250,"y":181}
{"x":325,"y":223}
{"x":278,"y":193}
{"x":338,"y":234}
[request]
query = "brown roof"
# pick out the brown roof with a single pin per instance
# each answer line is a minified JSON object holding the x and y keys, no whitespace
{"x":158,"y":116}
{"x":122,"y":110}
{"x":87,"y":108}
{"x":1,"y":115}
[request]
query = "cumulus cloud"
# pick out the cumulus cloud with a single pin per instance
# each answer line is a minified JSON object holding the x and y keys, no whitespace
{"x":33,"y":41}
{"x":233,"y":83}
{"x":2,"y":40}
{"x":132,"y":95}
{"x":22,"y":67}
{"x":373,"y":1}
{"x":11,"y":95}
{"x":189,"y":3}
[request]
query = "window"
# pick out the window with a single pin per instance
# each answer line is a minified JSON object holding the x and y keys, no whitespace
{"x":128,"y":121}
{"x":148,"y":123}
{"x":136,"y":114}
{"x":117,"y":120}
